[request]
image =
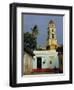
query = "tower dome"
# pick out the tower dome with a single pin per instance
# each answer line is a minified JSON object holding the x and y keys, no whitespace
{"x":51,"y":24}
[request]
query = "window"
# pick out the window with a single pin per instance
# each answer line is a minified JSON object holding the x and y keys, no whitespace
{"x":52,"y":30}
{"x":43,"y":62}
{"x":50,"y":62}
{"x":52,"y":35}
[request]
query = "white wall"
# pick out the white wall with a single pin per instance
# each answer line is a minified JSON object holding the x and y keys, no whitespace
{"x":4,"y":44}
{"x":34,"y":63}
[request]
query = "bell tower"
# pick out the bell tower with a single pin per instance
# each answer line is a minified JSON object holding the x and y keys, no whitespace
{"x":51,"y":41}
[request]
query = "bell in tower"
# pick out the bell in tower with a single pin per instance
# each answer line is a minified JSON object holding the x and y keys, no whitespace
{"x":51,"y":41}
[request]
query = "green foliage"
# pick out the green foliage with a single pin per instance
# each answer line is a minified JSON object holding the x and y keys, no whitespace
{"x":60,"y":49}
{"x":30,"y":39}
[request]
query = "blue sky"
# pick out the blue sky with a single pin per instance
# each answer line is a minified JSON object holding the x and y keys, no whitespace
{"x":29,"y":20}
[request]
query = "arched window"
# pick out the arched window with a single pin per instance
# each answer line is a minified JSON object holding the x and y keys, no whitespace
{"x":52,"y":30}
{"x":52,"y":35}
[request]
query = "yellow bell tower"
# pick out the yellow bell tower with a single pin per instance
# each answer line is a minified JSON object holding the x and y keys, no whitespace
{"x":52,"y":41}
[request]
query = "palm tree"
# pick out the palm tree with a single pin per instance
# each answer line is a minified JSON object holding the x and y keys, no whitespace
{"x":35,"y":31}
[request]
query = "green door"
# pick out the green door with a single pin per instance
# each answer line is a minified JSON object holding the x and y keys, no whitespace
{"x":39,"y":61}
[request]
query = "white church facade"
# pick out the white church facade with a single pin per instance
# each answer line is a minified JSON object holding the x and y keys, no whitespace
{"x":45,"y":60}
